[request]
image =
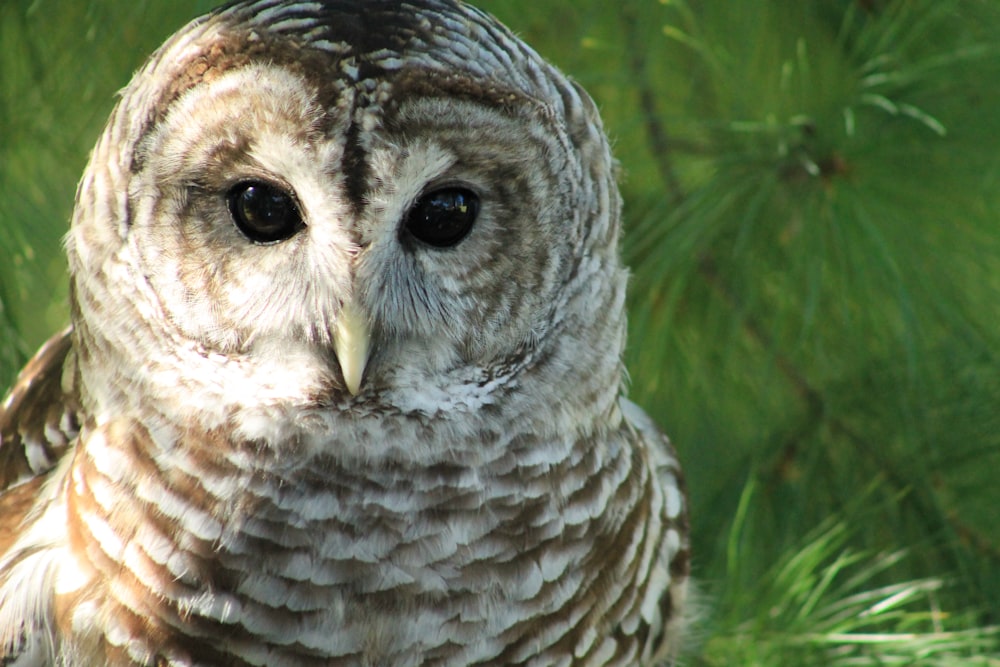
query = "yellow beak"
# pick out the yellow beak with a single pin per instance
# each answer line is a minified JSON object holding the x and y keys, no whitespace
{"x":350,"y":342}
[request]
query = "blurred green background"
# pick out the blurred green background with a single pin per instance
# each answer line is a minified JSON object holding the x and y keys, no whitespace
{"x":813,"y":221}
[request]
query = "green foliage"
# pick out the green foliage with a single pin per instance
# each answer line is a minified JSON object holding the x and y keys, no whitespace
{"x":811,"y":200}
{"x":823,"y":603}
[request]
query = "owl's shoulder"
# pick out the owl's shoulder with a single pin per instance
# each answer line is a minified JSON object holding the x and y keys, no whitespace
{"x":40,"y":417}
{"x":648,"y":433}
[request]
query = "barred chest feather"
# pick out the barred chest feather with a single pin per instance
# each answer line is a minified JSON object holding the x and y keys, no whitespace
{"x":222,"y":553}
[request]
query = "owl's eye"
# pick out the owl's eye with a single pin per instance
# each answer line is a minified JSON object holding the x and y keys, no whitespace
{"x":264,"y":213}
{"x":443,"y":217}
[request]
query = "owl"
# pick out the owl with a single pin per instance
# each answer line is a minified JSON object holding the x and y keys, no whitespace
{"x":344,"y":382}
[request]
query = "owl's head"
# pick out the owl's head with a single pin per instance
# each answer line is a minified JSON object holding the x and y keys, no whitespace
{"x":363,"y":205}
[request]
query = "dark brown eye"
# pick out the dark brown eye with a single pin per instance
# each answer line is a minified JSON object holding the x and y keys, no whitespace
{"x":443,"y":217}
{"x":263,"y":212}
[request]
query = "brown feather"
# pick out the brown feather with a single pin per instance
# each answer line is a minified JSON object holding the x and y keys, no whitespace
{"x":41,"y":411}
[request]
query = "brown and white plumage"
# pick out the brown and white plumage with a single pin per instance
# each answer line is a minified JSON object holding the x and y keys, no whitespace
{"x":388,"y":428}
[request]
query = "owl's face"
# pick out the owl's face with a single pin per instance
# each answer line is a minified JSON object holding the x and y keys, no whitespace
{"x":309,"y":205}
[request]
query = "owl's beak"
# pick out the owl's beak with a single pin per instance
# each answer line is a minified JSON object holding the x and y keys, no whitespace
{"x":350,"y":342}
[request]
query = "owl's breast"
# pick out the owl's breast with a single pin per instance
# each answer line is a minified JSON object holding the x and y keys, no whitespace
{"x":223,"y":553}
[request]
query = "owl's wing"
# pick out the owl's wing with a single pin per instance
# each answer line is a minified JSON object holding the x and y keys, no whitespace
{"x":39,"y":418}
{"x":675,"y":555}
{"x":658,"y":444}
